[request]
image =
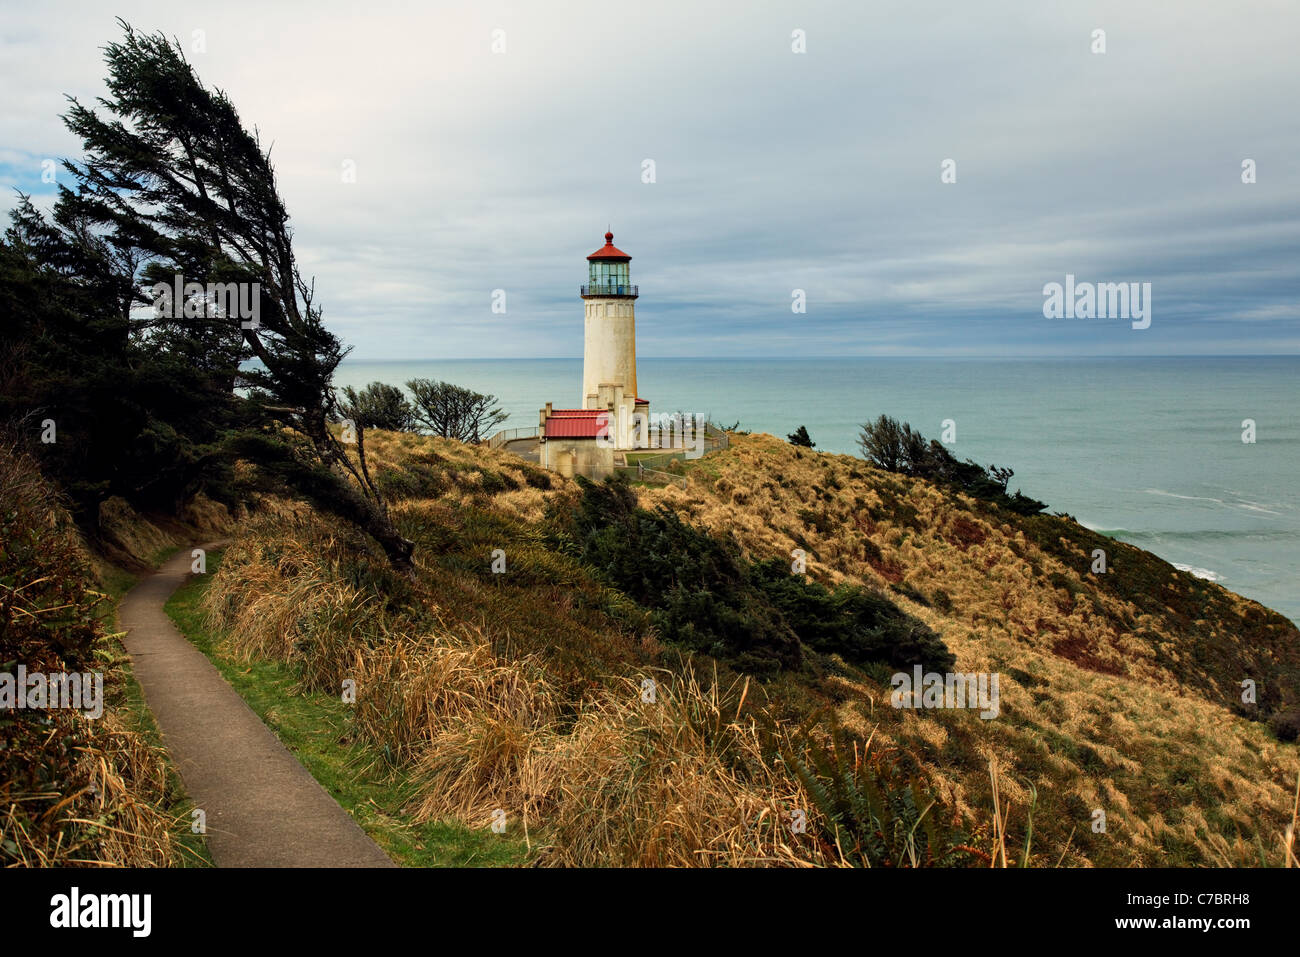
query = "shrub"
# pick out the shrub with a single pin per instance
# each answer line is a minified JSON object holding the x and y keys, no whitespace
{"x":897,"y":447}
{"x":378,"y":406}
{"x":757,"y":616}
{"x":1285,"y":725}
{"x":696,"y":585}
{"x":536,"y":478}
{"x":801,"y":438}
{"x":854,"y":622}
{"x":889,"y":445}
{"x":454,"y":412}
{"x":909,"y":591}
{"x":867,"y":811}
{"x":816,"y":520}
{"x":72,"y":790}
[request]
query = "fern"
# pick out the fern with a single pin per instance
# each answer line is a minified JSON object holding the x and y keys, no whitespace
{"x":871,"y":816}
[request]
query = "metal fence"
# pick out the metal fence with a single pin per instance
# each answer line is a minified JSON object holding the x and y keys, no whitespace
{"x":509,"y":435}
{"x":657,"y":461}
{"x":646,"y":468}
{"x":714,"y":440}
{"x":643,"y":474}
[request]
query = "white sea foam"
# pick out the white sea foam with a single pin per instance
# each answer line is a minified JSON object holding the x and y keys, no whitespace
{"x":1205,"y":573}
{"x":1255,"y":507}
{"x":1244,"y":504}
{"x":1102,"y":529}
{"x":1186,"y":498}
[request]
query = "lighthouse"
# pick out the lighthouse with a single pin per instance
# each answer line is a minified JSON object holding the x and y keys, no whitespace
{"x":611,"y":428}
{"x":609,"y":325}
{"x":610,"y":419}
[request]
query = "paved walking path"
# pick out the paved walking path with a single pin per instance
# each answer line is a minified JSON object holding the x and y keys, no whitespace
{"x":263,"y":808}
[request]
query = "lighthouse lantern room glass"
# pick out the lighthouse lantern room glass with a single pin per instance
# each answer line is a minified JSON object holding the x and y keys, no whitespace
{"x":607,"y":273}
{"x":610,"y":278}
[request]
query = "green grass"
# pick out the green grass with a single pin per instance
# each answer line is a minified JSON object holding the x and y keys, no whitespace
{"x":160,"y":555}
{"x":316,"y":728}
{"x":634,"y":457}
{"x":116,"y":583}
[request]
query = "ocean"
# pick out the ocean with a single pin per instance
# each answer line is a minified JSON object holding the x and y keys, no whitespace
{"x":1148,"y":450}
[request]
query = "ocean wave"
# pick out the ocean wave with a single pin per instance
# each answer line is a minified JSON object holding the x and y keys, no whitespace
{"x":1186,"y":498}
{"x":1255,"y":507}
{"x":1110,"y":532}
{"x":1242,"y":500}
{"x":1145,"y":537}
{"x":1244,"y":504}
{"x":1196,"y":572}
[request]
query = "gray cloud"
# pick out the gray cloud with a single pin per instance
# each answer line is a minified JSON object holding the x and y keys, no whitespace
{"x":775,"y":171}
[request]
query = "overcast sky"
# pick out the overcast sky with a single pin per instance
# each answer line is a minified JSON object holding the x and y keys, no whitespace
{"x":774,"y":170}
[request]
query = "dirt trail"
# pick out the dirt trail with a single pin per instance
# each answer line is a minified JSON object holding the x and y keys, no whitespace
{"x":263,"y":808}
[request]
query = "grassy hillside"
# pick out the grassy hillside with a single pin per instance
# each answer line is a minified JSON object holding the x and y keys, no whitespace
{"x":76,"y":790}
{"x":525,"y":689}
{"x":1120,"y":691}
{"x":316,"y":728}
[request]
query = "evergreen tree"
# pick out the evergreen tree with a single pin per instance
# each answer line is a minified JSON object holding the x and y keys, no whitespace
{"x":109,"y":407}
{"x":379,"y":406}
{"x":801,"y":438}
{"x":454,"y":412}
{"x":171,"y":172}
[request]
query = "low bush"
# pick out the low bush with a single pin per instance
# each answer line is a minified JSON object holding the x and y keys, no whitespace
{"x":1285,"y":725}
{"x":707,"y":596}
{"x":897,"y":447}
{"x":73,"y":789}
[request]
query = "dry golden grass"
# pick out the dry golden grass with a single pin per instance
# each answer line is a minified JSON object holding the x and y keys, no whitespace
{"x":1104,"y":705}
{"x":104,"y":812}
{"x":628,"y":783}
{"x":73,"y":791}
{"x":610,"y":779}
{"x":1101,"y":721}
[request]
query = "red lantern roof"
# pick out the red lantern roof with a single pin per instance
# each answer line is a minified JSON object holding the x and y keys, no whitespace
{"x":610,"y":251}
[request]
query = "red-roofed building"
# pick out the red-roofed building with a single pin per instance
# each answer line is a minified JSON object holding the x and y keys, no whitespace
{"x":575,"y":423}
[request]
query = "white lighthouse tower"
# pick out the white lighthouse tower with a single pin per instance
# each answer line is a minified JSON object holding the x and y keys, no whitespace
{"x":610,"y":420}
{"x":609,"y":340}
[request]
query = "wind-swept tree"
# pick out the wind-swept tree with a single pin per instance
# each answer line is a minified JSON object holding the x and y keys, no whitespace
{"x":454,"y":412}
{"x":801,"y":438}
{"x":378,"y":406}
{"x":897,"y":447}
{"x":107,"y":407}
{"x":890,"y":445}
{"x":169,"y":170}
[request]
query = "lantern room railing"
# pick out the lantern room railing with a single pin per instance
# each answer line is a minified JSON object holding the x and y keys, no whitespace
{"x":610,"y":289}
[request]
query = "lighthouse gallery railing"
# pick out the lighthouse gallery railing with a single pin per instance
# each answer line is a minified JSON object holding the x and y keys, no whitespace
{"x":602,"y":289}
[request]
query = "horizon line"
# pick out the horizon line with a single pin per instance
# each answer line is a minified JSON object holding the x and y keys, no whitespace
{"x":813,"y":358}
